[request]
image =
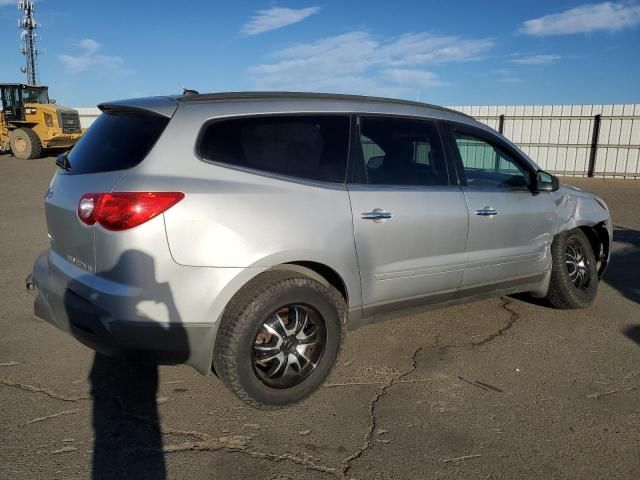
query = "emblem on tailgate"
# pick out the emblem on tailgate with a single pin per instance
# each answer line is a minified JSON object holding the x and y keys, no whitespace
{"x":79,"y":263}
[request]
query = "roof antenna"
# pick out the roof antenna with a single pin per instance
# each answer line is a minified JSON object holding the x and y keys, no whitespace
{"x":187,"y":91}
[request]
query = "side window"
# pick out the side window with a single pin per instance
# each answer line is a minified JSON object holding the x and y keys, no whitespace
{"x":8,"y":94}
{"x":310,"y":147}
{"x":399,"y":151}
{"x":486,"y":165}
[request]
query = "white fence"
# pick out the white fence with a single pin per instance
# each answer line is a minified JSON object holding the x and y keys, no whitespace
{"x":580,"y":140}
{"x":87,"y":115}
{"x":601,"y":140}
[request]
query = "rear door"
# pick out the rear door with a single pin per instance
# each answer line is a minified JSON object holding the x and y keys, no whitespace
{"x":410,"y":221}
{"x":510,"y":226}
{"x":115,"y":142}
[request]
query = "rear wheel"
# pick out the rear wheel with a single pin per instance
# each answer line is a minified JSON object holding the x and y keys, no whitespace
{"x":279,"y":339}
{"x":25,"y":143}
{"x":574,"y":275}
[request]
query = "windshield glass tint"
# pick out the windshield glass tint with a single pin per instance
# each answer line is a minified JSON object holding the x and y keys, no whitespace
{"x":116,"y":141}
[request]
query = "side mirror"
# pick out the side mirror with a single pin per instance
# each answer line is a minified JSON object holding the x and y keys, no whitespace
{"x":52,"y":101}
{"x":545,"y":182}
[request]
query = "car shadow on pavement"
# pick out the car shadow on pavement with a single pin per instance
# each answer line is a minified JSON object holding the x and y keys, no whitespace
{"x":128,"y":436}
{"x":623,"y":271}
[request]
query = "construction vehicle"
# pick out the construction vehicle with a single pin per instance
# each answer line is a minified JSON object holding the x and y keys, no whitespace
{"x":30,"y":122}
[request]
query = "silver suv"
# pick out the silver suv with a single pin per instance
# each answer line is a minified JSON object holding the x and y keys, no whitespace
{"x":243,"y":233}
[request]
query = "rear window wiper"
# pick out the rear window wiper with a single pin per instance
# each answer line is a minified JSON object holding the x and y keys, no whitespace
{"x":63,"y":162}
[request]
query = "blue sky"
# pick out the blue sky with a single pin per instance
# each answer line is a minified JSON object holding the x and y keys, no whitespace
{"x":463,"y":52}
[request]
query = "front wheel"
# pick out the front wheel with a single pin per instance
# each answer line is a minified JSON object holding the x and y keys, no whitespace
{"x":279,"y":339}
{"x":574,"y":274}
{"x":25,"y":143}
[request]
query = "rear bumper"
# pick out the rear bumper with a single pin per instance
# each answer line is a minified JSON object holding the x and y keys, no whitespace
{"x":165,"y":343}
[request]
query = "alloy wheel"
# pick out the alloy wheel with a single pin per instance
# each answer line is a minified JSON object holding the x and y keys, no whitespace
{"x":577,"y":265}
{"x":288,"y":346}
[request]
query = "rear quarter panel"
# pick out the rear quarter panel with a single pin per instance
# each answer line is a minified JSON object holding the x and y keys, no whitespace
{"x":232,"y":218}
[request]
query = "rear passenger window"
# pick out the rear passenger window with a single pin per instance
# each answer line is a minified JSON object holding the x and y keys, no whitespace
{"x":399,"y":151}
{"x":310,"y":147}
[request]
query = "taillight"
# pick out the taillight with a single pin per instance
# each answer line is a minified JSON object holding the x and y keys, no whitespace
{"x":87,"y":207}
{"x":124,"y":210}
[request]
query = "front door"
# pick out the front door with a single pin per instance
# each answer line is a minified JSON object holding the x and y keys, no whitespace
{"x":510,"y":226}
{"x":410,"y":221}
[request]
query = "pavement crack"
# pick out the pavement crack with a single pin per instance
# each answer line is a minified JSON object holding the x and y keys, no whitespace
{"x":304,"y":462}
{"x":458,"y":459}
{"x":373,"y":421}
{"x":229,"y":443}
{"x":238,"y":444}
{"x":10,"y":363}
{"x":513,"y":316}
{"x":45,"y":391}
{"x":596,"y":396}
{"x":53,"y":415}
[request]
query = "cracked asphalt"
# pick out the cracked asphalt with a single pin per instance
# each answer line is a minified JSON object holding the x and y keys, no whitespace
{"x":503,"y":388}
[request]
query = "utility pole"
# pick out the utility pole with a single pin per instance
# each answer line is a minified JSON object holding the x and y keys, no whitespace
{"x":28,"y":24}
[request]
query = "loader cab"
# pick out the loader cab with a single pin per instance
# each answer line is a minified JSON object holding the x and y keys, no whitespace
{"x":12,"y":104}
{"x":14,"y":97}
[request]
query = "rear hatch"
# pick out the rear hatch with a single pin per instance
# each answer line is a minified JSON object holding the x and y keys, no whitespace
{"x":118,"y":140}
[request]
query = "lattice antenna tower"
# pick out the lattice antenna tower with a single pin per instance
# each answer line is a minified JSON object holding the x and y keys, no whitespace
{"x":28,"y":48}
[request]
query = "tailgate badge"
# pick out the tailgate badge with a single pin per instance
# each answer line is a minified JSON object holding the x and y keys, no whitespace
{"x":79,"y":263}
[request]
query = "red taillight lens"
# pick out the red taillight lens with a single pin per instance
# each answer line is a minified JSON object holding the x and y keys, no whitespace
{"x":124,"y":210}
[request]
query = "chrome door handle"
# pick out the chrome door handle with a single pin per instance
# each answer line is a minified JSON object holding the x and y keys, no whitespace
{"x":376,"y":214}
{"x":487,"y":212}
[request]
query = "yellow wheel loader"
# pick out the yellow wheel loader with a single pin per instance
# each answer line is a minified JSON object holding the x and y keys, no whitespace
{"x":30,"y":122}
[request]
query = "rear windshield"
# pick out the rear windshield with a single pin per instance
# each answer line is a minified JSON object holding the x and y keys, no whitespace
{"x":313,"y":147}
{"x":116,"y":141}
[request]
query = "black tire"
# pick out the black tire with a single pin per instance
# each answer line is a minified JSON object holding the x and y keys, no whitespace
{"x":234,"y":354}
{"x":25,"y":144}
{"x":563,"y":292}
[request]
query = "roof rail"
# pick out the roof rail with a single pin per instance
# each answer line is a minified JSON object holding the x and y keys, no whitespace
{"x":203,"y":97}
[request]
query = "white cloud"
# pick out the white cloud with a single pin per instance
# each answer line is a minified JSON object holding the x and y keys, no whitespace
{"x":510,"y":79}
{"x":608,"y":16}
{"x":274,"y":18}
{"x":89,"y":58}
{"x":535,"y":59}
{"x":412,"y":78}
{"x":90,"y":45}
{"x":358,"y":62}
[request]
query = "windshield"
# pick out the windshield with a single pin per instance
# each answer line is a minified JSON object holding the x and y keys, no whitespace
{"x":35,"y":95}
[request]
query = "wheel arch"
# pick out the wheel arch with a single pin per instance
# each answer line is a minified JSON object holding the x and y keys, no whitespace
{"x":599,"y":239}
{"x":319,"y":272}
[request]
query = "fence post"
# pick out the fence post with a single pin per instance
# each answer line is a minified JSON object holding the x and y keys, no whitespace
{"x":501,"y":124}
{"x":594,"y":145}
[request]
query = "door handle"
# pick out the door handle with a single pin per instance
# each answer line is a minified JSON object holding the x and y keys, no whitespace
{"x":376,"y":214}
{"x":487,"y":212}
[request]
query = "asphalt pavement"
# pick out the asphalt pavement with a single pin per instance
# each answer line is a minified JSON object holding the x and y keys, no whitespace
{"x":503,"y":388}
